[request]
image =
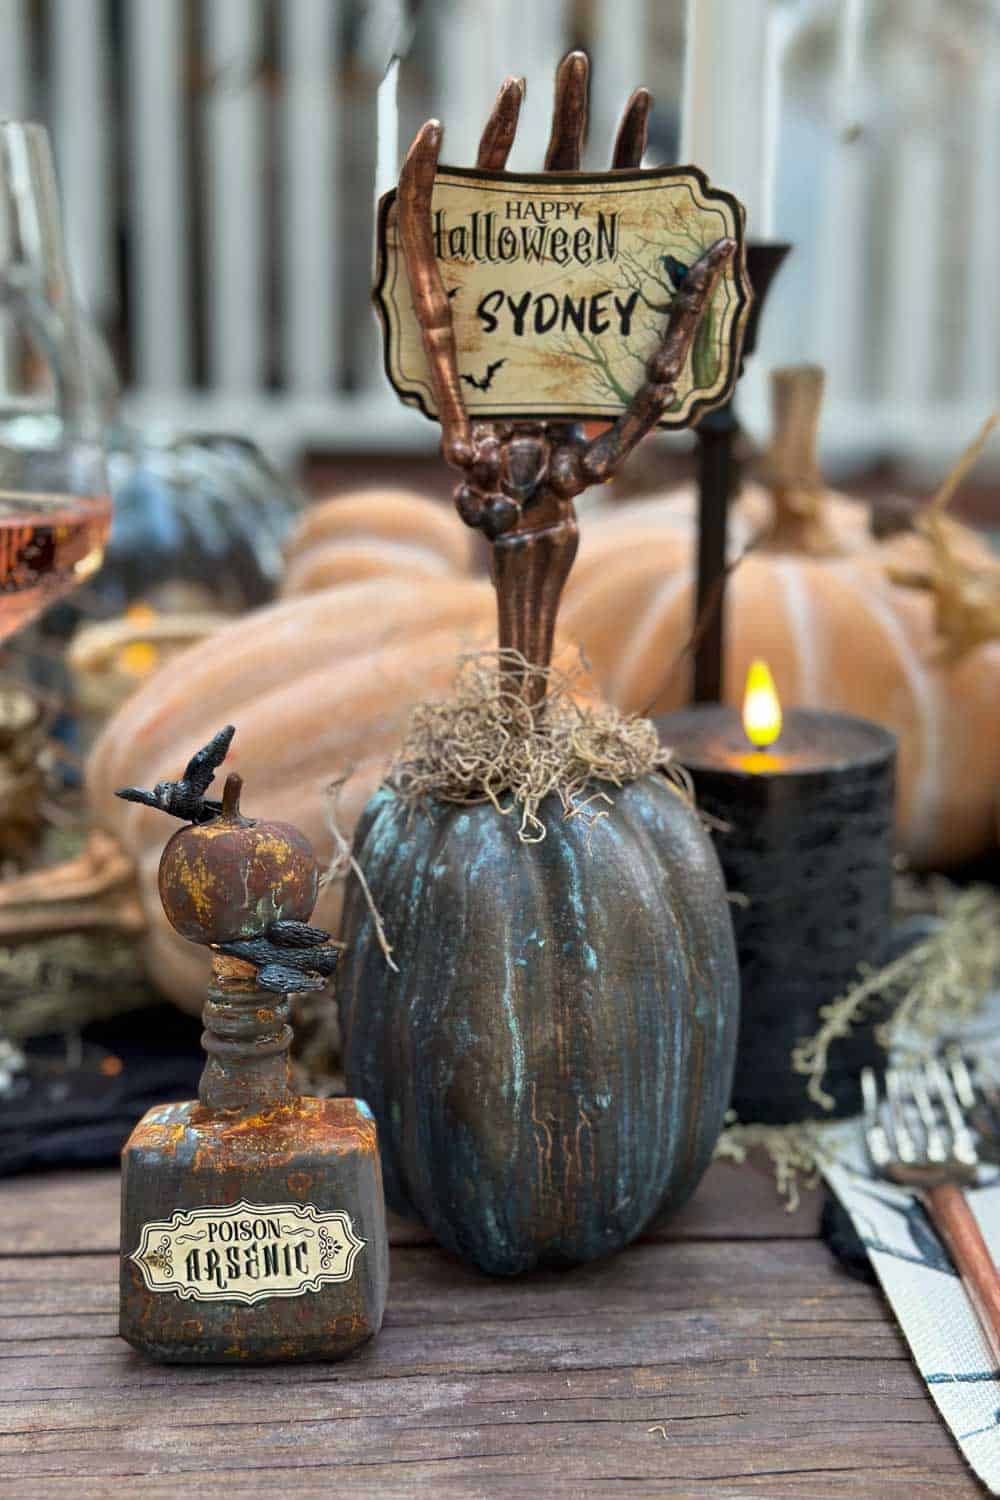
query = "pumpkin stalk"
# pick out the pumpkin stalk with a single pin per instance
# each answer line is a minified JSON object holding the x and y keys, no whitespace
{"x":231,"y":796}
{"x":791,"y":467}
{"x":966,"y":597}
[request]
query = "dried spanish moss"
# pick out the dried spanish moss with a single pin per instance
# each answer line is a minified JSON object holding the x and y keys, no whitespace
{"x":941,"y":980}
{"x":937,"y":984}
{"x":485,"y":744}
{"x":794,"y":1152}
{"x":343,"y":861}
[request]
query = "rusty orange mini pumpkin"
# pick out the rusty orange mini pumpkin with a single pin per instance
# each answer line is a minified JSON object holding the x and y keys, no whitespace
{"x":231,"y":878}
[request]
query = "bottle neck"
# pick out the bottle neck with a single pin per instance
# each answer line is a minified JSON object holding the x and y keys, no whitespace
{"x":246,"y":1041}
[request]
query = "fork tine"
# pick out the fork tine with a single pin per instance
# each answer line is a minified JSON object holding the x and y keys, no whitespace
{"x":937,"y":1145}
{"x":961,"y":1077}
{"x":963,"y":1146}
{"x":936,"y":1178}
{"x":906,"y":1147}
{"x":875,"y":1136}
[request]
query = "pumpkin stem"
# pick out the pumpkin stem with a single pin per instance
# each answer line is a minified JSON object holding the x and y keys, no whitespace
{"x":966,"y":595}
{"x":791,"y":468}
{"x":95,"y":891}
{"x":231,"y":796}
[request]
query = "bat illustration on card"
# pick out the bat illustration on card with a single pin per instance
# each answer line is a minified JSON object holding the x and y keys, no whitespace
{"x":485,"y":382}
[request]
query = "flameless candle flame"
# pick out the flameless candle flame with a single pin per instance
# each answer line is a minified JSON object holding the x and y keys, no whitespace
{"x":761,"y":706}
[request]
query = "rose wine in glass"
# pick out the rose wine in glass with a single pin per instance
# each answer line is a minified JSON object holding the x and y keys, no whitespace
{"x":55,"y":512}
{"x":49,"y":545}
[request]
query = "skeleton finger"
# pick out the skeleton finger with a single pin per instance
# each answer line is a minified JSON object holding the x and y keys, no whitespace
{"x":607,"y":451}
{"x":569,"y":114}
{"x":501,"y":127}
{"x":633,"y":132}
{"x":416,"y":185}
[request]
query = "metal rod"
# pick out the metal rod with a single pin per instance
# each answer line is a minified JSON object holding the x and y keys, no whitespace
{"x":718,"y":481}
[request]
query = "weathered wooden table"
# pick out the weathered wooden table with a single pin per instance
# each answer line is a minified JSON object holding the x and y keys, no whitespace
{"x":725,"y":1355}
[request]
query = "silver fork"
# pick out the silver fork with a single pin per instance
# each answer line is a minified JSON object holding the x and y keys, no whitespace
{"x":980,"y":1101}
{"x":919,"y":1139}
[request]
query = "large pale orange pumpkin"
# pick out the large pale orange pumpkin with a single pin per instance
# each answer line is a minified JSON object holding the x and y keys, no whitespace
{"x":835,"y":613}
{"x":372,"y":533}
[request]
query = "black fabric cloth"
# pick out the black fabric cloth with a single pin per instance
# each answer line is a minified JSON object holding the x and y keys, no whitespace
{"x":75,"y":1107}
{"x":843,"y":1240}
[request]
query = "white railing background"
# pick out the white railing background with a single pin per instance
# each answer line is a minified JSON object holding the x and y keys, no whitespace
{"x":218,"y":162}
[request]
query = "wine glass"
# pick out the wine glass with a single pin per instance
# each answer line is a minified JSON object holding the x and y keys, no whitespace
{"x":55,"y":509}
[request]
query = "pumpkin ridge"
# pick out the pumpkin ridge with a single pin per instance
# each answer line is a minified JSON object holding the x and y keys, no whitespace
{"x":693,"y":1149}
{"x":672,"y":1143}
{"x":608,"y":844}
{"x":925,"y":784}
{"x":150,"y":721}
{"x":363,"y":1041}
{"x":579,"y":845}
{"x":644,"y":629}
{"x":355,"y":560}
{"x":419,"y":991}
{"x":800,"y":614}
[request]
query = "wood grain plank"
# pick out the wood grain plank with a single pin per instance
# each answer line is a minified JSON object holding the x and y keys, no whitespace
{"x":733,"y":1202}
{"x":704,"y":1369}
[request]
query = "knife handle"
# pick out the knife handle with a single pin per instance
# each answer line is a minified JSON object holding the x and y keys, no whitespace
{"x":954,"y":1220}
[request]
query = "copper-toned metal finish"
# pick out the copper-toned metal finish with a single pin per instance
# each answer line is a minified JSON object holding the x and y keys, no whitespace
{"x":633,"y":132}
{"x":569,"y":114}
{"x":501,"y":127}
{"x":430,"y":302}
{"x":954,"y":1220}
{"x":520,"y":478}
{"x":921,"y":1140}
{"x":604,"y":454}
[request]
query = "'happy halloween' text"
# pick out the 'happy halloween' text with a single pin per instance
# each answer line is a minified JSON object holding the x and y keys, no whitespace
{"x":532,"y":238}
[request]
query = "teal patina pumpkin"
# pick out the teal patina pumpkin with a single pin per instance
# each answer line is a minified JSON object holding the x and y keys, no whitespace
{"x":550,"y":1065}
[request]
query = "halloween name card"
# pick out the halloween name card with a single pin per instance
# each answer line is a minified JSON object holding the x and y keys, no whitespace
{"x":559,"y":287}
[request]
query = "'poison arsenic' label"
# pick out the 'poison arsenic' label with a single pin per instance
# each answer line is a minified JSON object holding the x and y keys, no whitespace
{"x":245,"y":1252}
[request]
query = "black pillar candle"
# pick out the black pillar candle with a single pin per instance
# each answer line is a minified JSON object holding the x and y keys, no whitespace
{"x":806,"y":848}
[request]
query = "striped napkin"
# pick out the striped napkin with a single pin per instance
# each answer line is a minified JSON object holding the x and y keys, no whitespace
{"x":924,"y":1291}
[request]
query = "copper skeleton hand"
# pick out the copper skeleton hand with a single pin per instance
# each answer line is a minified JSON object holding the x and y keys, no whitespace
{"x":520,"y":478}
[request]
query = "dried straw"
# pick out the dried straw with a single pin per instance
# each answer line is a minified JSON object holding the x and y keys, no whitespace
{"x":937,"y":984}
{"x":485,"y":745}
{"x":794,"y":1152}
